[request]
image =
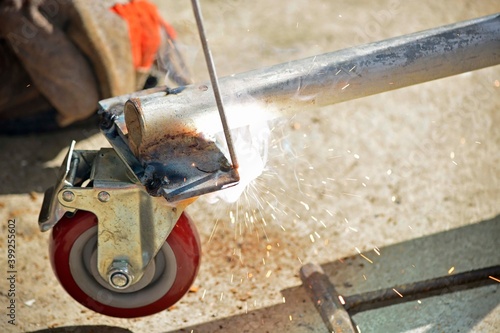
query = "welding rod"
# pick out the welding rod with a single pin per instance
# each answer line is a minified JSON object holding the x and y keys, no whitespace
{"x":214,"y":80}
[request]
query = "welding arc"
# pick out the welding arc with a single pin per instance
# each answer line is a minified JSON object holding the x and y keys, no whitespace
{"x":214,"y":81}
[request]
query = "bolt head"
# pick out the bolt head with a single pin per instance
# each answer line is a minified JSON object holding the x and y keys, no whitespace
{"x":119,"y":275}
{"x":119,"y":280}
{"x":68,"y":196}
{"x":103,"y":196}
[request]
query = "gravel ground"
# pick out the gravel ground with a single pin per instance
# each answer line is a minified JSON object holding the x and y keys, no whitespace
{"x":354,"y":176}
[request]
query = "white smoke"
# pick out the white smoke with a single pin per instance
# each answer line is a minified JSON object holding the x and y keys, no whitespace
{"x":251,"y":145}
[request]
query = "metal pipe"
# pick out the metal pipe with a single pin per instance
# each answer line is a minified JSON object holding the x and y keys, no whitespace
{"x":321,"y":80}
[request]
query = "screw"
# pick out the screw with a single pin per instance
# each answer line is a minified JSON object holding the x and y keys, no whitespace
{"x":119,"y":276}
{"x":68,"y":196}
{"x":103,"y":196}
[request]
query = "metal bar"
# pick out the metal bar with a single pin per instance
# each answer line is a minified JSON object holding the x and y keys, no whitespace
{"x":335,"y":310}
{"x":420,"y":289}
{"x":324,"y":296}
{"x":214,"y":81}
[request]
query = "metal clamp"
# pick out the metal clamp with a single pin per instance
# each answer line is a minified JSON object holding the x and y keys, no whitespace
{"x":132,"y":225}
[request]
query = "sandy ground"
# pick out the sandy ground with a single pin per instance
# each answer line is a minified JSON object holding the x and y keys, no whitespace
{"x":354,"y":176}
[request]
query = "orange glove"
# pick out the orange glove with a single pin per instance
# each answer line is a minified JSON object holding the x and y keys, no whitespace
{"x":66,"y":55}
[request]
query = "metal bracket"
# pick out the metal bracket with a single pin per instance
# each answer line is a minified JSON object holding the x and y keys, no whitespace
{"x":132,"y":225}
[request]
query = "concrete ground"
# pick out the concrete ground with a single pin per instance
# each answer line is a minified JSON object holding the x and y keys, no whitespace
{"x":354,"y":177}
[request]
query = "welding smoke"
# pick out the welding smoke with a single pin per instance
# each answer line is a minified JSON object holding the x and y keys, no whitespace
{"x":251,"y":144}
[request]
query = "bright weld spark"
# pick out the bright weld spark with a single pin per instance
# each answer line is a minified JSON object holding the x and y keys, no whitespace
{"x":306,"y":206}
{"x":347,"y":85}
{"x":352,"y":68}
{"x":494,"y":278}
{"x":451,"y":270}
{"x":284,"y":300}
{"x":204,"y":293}
{"x":353,"y":229}
{"x":317,"y":235}
{"x":366,"y":258}
{"x":338,"y":72}
{"x":329,"y":213}
{"x":268,"y":274}
{"x":290,"y":316}
{"x":311,"y":237}
{"x":357,"y":327}
{"x":351,"y":194}
{"x":221,"y":296}
{"x":377,"y":251}
{"x":397,"y":292}
{"x":342,"y":300}
{"x":364,"y":277}
{"x":419,"y":302}
{"x":322,"y":223}
{"x":213,"y":230}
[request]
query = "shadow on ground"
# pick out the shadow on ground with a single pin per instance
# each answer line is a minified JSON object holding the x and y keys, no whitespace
{"x":24,"y":157}
{"x":85,"y":329}
{"x":467,"y":248}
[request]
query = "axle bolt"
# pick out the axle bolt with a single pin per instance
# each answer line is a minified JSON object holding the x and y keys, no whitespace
{"x":68,"y":196}
{"x":103,"y":196}
{"x":119,"y":275}
{"x":119,"y":280}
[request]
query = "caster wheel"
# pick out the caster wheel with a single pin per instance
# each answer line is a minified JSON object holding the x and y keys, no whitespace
{"x":73,"y":255}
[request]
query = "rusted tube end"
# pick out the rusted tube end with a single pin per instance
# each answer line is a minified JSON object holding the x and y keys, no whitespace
{"x":134,"y":118}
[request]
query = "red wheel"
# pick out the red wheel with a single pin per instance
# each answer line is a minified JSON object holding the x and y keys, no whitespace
{"x":73,"y":255}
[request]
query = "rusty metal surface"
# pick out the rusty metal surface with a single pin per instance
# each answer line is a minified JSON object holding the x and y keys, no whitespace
{"x":325,"y":299}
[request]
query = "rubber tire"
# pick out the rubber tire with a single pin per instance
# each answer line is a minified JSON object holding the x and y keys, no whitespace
{"x":183,"y":240}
